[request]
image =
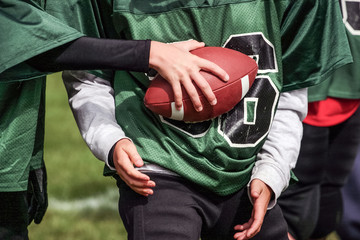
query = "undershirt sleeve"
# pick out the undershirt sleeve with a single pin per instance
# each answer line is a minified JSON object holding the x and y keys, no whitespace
{"x":281,"y":149}
{"x":87,"y":53}
{"x":92,"y":102}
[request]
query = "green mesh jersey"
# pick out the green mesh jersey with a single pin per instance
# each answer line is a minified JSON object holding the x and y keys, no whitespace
{"x":26,"y":31}
{"x":219,"y":154}
{"x":344,"y":82}
{"x":21,"y":132}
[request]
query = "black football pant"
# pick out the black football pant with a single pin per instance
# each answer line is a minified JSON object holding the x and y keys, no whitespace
{"x":313,"y":206}
{"x":180,"y":210}
{"x":13,"y":216}
{"x":349,"y":228}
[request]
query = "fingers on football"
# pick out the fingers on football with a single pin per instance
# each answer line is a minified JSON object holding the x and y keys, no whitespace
{"x":193,"y":94}
{"x":189,"y":45}
{"x":193,"y":44}
{"x":204,"y":87}
{"x":176,"y":87}
{"x":214,"y":69}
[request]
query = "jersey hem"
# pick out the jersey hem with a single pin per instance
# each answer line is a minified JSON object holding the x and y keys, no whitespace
{"x":19,"y":188}
{"x":316,"y":80}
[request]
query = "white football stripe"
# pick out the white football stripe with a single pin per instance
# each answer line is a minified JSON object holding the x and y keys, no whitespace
{"x":245,"y":83}
{"x":177,"y":114}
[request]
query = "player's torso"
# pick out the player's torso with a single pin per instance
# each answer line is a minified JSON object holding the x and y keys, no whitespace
{"x":219,"y":152}
{"x":249,"y":26}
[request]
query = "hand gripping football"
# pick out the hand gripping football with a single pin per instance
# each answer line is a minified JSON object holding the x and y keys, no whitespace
{"x":242,"y":71}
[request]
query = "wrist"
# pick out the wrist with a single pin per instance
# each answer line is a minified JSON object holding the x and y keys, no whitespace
{"x":154,"y":56}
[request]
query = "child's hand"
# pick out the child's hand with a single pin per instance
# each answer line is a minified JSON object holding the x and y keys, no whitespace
{"x":125,"y":157}
{"x":178,"y":66}
{"x":261,"y":195}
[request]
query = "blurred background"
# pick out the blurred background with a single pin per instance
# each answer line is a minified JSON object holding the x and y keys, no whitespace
{"x":82,"y":203}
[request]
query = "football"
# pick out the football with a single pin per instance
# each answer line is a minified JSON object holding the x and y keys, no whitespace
{"x":241,"y":69}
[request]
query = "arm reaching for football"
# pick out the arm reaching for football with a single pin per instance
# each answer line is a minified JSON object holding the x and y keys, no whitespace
{"x":261,"y":195}
{"x":125,"y":157}
{"x":179,"y":67}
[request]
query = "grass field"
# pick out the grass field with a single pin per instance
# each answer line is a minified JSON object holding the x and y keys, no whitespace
{"x":82,"y":203}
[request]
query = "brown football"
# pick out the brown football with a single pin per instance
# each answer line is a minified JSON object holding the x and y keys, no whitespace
{"x":242,"y":71}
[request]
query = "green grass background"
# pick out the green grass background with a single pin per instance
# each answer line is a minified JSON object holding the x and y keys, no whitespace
{"x":74,"y":175}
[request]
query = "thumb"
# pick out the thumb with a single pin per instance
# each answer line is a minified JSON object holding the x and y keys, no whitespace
{"x":255,"y":191}
{"x":125,"y":149}
{"x":134,"y":156}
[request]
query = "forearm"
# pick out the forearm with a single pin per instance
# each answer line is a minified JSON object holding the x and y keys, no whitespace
{"x":91,"y":54}
{"x":280,"y":151}
{"x":92,"y":102}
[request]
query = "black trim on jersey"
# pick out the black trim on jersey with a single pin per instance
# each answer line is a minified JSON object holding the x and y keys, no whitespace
{"x":87,"y":53}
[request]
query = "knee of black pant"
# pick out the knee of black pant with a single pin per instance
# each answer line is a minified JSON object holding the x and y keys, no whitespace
{"x":326,"y":225}
{"x":330,"y":214}
{"x":301,"y":227}
{"x":300,"y":206}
